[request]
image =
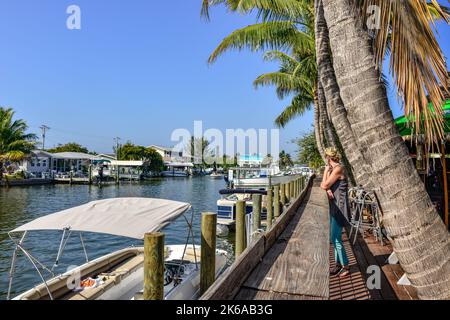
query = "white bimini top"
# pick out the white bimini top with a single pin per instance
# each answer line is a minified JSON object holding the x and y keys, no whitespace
{"x":127,"y":217}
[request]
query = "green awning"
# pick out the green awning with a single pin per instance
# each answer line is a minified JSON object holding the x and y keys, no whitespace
{"x":406,"y":129}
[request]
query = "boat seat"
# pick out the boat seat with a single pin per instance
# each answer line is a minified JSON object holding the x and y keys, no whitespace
{"x":58,"y":286}
{"x":189,"y":255}
{"x":113,"y":277}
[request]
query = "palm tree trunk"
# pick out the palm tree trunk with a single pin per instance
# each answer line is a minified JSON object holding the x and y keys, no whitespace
{"x":338,"y":114}
{"x":419,"y":237}
{"x":317,"y":126}
{"x":1,"y":171}
{"x":324,"y":120}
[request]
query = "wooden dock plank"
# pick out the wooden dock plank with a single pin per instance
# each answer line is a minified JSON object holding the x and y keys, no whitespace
{"x":297,"y":263}
{"x":252,"y":294}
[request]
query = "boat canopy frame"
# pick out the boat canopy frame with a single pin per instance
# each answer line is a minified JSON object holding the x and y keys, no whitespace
{"x":63,"y":242}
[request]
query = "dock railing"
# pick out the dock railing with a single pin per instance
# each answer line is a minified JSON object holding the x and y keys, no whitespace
{"x":229,"y":283}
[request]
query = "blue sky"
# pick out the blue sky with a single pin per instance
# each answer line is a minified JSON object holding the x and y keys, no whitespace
{"x":137,"y":69}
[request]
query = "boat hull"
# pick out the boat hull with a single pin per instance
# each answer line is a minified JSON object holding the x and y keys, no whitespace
{"x":174,"y":174}
{"x":122,"y":277}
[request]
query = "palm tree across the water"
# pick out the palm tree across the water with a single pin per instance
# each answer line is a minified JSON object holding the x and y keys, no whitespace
{"x":15,"y":142}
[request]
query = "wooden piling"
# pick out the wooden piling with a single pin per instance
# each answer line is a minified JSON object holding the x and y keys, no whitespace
{"x":70,"y":177}
{"x":291,"y":191}
{"x":90,"y":174}
{"x":241,"y":242}
{"x":282,"y":195}
{"x":295,"y":187}
{"x":276,"y":202}
{"x":269,"y":208}
{"x":208,"y":251}
{"x":154,"y":266}
{"x":286,"y":192}
{"x":256,"y":216}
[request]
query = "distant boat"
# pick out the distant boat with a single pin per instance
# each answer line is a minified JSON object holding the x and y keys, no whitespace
{"x":216,"y":175}
{"x":174,"y":173}
{"x":226,"y":208}
{"x":177,"y":169}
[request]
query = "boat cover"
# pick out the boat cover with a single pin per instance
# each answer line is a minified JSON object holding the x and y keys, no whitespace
{"x":128,"y":217}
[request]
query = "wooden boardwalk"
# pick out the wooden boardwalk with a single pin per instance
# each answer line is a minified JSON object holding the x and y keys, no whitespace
{"x":291,"y":261}
{"x":292,"y":268}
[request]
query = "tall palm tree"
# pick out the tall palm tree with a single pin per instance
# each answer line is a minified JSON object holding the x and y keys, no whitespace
{"x":285,"y":159}
{"x":15,"y":143}
{"x":298,"y":70}
{"x":358,"y":106}
{"x":419,"y":237}
{"x":297,"y":76}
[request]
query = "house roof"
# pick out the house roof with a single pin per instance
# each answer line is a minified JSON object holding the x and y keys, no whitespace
{"x":161,"y":148}
{"x":41,"y":154}
{"x":75,"y":156}
{"x":127,"y":163}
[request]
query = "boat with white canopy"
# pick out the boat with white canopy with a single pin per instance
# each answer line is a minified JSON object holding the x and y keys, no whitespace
{"x":118,"y":275}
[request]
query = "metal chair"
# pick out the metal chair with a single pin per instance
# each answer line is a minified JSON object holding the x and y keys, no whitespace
{"x":365,"y":214}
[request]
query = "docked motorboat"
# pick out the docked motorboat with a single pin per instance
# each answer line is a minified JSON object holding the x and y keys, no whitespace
{"x":226,"y":208}
{"x":177,"y":169}
{"x":174,"y":173}
{"x":216,"y":175}
{"x":256,"y":177}
{"x":118,"y":275}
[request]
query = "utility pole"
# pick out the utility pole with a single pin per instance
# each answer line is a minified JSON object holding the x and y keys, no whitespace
{"x":44,"y":129}
{"x":116,"y":140}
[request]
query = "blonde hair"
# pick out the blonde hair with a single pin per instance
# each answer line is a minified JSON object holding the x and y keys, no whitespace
{"x":333,"y":154}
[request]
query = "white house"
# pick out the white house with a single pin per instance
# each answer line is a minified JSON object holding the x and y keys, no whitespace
{"x":176,"y":163}
{"x":37,"y":163}
{"x":72,"y":161}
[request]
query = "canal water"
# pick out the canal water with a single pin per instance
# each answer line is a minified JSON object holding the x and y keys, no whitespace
{"x":19,"y":205}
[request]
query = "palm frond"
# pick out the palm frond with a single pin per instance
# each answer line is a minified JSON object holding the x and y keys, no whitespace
{"x":297,"y":107}
{"x":416,"y":60}
{"x":261,"y":36}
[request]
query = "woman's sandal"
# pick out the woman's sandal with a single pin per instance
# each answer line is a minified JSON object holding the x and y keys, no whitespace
{"x":335,"y":270}
{"x":344,"y":272}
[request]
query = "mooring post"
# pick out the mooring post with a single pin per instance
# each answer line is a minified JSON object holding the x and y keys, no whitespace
{"x":295,"y":187}
{"x":90,"y":175}
{"x":241,"y":242}
{"x":269,"y":208}
{"x":282,"y":195}
{"x":286,"y":192}
{"x":70,"y":177}
{"x":208,"y":251}
{"x":154,"y":266}
{"x":257,"y":204}
{"x":276,"y":202}
{"x":291,"y":191}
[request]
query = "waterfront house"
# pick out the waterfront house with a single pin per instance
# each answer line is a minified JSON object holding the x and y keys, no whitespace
{"x":176,"y":162}
{"x":37,"y":164}
{"x":77,"y":162}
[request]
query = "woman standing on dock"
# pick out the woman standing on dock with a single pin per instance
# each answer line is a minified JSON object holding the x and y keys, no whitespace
{"x":335,"y":183}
